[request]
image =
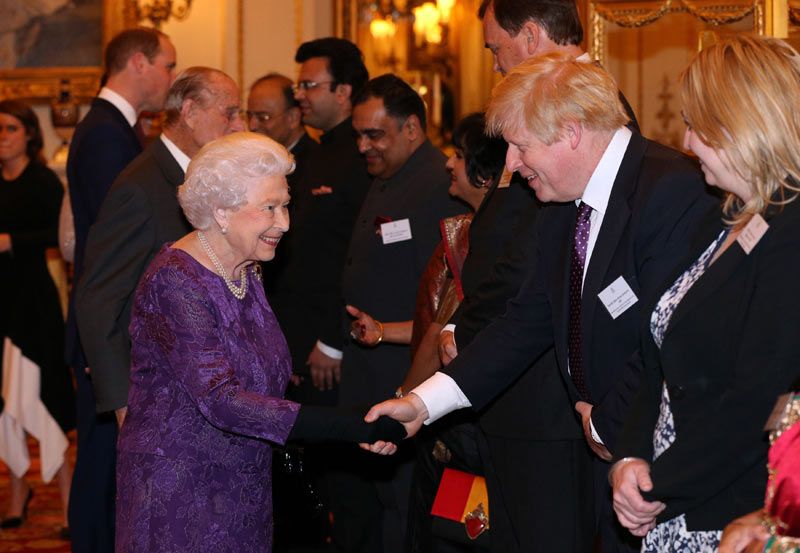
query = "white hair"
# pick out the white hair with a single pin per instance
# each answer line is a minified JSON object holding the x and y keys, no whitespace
{"x":218,"y":175}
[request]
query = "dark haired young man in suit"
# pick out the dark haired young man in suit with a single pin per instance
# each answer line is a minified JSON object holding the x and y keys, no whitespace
{"x":139,"y":66}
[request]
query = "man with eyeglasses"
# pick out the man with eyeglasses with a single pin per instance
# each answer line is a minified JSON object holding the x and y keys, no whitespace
{"x":305,"y":291}
{"x":273,"y":111}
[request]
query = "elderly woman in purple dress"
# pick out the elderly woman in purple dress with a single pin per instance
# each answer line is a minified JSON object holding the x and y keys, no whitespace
{"x":209,"y":367}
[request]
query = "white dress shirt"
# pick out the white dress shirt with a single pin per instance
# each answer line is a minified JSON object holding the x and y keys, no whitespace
{"x":123,"y":105}
{"x":181,"y":158}
{"x":440,"y":394}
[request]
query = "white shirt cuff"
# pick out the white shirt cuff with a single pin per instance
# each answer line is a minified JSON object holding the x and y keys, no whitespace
{"x":441,"y":395}
{"x":595,"y":435}
{"x":333,"y":353}
{"x":449,"y":327}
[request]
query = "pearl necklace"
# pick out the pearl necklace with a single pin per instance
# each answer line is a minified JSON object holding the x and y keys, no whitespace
{"x":238,"y":292}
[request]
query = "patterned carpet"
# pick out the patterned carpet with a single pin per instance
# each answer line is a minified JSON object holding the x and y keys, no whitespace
{"x":40,"y":532}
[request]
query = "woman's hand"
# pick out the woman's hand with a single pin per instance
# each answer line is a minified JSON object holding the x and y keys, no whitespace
{"x":364,"y":329}
{"x":744,"y":534}
{"x":628,"y":478}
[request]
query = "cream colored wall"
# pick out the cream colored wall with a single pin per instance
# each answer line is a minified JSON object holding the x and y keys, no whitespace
{"x":647,"y":62}
{"x":272,"y":31}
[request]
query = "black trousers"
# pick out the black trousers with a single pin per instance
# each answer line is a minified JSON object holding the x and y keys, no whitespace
{"x":541,"y":494}
{"x":92,"y":496}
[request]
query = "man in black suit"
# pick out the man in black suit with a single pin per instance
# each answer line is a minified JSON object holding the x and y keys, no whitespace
{"x":138,"y":216}
{"x":306,"y":294}
{"x":273,"y":111}
{"x":303,"y":283}
{"x":139,"y":64}
{"x":537,"y":467}
{"x":638,"y":201}
{"x":394,"y":236}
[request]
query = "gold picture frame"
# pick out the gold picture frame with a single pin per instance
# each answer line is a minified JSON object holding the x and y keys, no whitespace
{"x":43,"y":83}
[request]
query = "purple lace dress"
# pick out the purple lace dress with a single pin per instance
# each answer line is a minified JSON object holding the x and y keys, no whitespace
{"x":207,"y":375}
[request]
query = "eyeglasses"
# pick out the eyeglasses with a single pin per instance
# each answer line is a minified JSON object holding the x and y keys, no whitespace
{"x":261,"y":116}
{"x":308,"y":85}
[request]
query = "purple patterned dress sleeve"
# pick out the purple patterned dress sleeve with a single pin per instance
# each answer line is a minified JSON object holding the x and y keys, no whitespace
{"x":208,"y":373}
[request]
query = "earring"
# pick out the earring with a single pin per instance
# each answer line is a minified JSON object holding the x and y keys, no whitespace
{"x":482,"y":182}
{"x":224,"y":230}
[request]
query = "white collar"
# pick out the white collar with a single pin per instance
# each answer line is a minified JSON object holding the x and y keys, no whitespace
{"x":598,"y":189}
{"x":584,"y":58}
{"x":293,"y":144}
{"x":182,"y":159}
{"x":123,"y":105}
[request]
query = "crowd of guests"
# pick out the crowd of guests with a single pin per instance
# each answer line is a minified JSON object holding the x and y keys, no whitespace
{"x":593,"y":324}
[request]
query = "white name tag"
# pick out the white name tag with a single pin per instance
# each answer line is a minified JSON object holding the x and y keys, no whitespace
{"x":752,"y":233}
{"x":617,"y":297}
{"x":396,"y":231}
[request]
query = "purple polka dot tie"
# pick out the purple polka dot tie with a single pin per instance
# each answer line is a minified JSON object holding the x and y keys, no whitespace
{"x":577,"y":264}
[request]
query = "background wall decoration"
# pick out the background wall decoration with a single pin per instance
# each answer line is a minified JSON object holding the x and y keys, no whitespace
{"x":44,"y":41}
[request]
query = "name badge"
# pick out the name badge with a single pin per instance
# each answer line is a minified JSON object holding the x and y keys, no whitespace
{"x":617,"y":297}
{"x":778,"y":412}
{"x":505,"y":178}
{"x":396,"y":231}
{"x":752,"y":233}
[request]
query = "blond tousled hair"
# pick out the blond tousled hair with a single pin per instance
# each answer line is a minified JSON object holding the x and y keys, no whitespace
{"x":544,"y":93}
{"x":741,"y":95}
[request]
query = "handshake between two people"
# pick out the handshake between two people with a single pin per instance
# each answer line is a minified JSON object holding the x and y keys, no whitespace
{"x":410,"y":411}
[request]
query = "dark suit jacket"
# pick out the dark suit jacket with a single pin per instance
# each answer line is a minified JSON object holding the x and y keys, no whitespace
{"x":657,"y":199}
{"x":307,"y":295}
{"x":138,"y":216}
{"x":103,"y":144}
{"x":382,"y":279}
{"x":730,"y":349}
{"x":303,"y":151}
{"x":508,"y":226}
{"x":272,"y":271}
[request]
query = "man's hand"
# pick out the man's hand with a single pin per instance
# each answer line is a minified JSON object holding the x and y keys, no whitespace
{"x":628,"y":478}
{"x":585,"y":410}
{"x":410,"y":410}
{"x":744,"y":534}
{"x":120,"y":414}
{"x":447,"y":347}
{"x":324,"y":370}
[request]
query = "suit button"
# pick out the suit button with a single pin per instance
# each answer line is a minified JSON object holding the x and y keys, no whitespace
{"x":676,"y":392}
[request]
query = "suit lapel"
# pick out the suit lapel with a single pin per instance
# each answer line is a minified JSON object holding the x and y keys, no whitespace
{"x":715,"y":276}
{"x":561,"y":287}
{"x":116,"y":114}
{"x":720,"y":271}
{"x":615,"y":221}
{"x":168,"y":165}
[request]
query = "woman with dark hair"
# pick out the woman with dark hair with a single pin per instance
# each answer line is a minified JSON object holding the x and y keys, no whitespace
{"x":37,"y":388}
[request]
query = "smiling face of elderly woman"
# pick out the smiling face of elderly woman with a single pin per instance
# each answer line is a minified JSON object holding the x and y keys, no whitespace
{"x":255,"y":229}
{"x":236,"y":194}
